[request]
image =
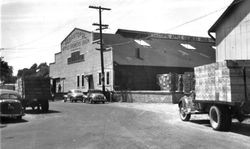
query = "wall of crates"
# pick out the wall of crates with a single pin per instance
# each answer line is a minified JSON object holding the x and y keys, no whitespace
{"x":173,"y":82}
{"x":226,"y":81}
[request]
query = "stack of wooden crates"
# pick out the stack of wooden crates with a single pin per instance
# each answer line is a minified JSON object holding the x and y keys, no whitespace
{"x":167,"y":82}
{"x":226,"y":81}
{"x":188,"y":82}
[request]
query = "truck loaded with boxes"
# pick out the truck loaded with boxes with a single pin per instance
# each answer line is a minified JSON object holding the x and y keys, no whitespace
{"x":222,"y":90}
{"x":35,"y":91}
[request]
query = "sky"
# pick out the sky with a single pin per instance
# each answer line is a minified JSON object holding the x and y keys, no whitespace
{"x":32,"y":30}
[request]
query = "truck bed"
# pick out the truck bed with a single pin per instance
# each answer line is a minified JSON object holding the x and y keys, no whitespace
{"x":227,"y":81}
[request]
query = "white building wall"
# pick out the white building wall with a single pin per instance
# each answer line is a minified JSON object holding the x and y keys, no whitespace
{"x":235,"y":45}
{"x":90,"y":66}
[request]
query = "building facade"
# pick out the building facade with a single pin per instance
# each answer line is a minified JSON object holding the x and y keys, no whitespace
{"x":78,"y":63}
{"x":132,"y":59}
{"x":232,"y":31}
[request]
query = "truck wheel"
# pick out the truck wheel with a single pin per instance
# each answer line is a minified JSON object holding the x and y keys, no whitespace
{"x":45,"y":106}
{"x":220,"y":118}
{"x":183,"y":112}
{"x":19,"y":117}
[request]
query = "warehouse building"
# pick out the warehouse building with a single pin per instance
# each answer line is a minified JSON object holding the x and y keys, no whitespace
{"x":232,"y":31}
{"x":132,"y":59}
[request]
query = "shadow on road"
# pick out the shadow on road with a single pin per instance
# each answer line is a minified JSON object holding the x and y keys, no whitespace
{"x":30,"y":111}
{"x":237,"y":127}
{"x":201,"y":122}
{"x":11,"y":120}
{"x":241,"y":128}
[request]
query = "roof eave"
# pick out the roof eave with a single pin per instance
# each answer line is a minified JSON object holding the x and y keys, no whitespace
{"x":226,"y":12}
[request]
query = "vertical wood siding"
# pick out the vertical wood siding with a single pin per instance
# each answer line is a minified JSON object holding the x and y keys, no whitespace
{"x":236,"y":44}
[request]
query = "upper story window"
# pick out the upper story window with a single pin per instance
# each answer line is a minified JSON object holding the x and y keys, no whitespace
{"x":76,"y":57}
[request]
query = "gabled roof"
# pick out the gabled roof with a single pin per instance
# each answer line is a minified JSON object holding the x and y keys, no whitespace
{"x":224,"y":15}
{"x":164,"y":50}
{"x":73,"y":31}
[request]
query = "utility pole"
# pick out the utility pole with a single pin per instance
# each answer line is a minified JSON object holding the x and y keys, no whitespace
{"x":101,"y":27}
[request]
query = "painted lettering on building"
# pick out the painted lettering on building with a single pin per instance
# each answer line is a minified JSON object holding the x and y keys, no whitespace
{"x":75,"y":40}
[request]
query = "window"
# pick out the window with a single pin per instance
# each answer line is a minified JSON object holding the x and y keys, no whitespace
{"x":107,"y":78}
{"x":100,"y":78}
{"x":82,"y":80}
{"x":78,"y":81}
{"x":188,"y":46}
{"x":12,"y":96}
{"x":4,"y":96}
{"x":137,"y":53}
{"x":76,"y":57}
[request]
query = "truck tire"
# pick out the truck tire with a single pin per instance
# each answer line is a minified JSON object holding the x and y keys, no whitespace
{"x":45,"y":106}
{"x":19,"y":117}
{"x":220,"y":118}
{"x":182,"y":112}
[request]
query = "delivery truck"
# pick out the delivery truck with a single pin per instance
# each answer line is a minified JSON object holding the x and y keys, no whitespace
{"x":222,"y":90}
{"x":35,"y":92}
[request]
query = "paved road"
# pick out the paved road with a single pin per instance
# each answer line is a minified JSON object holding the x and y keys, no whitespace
{"x":117,"y":125}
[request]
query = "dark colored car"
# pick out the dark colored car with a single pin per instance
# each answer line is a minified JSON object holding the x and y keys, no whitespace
{"x":94,"y":96}
{"x":75,"y":95}
{"x":11,"y":105}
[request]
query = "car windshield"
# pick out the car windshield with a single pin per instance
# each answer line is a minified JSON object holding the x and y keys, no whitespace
{"x":95,"y":91}
{"x":8,"y":96}
{"x":77,"y":91}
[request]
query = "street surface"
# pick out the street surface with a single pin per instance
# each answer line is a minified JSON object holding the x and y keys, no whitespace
{"x":118,"y":126}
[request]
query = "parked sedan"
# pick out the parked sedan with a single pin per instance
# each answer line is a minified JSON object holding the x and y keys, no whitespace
{"x":75,"y":95}
{"x":11,"y":106}
{"x":94,"y":96}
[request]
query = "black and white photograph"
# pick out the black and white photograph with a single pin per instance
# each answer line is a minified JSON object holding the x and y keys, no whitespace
{"x":125,"y":74}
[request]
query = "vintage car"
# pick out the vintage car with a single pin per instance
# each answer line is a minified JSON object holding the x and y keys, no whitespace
{"x":75,"y":95}
{"x":11,"y":105}
{"x":94,"y":96}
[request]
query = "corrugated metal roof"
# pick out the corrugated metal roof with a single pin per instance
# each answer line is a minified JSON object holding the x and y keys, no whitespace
{"x":161,"y":52}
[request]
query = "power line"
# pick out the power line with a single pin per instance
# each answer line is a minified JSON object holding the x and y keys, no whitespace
{"x":41,"y":37}
{"x":29,"y":48}
{"x":203,"y":16}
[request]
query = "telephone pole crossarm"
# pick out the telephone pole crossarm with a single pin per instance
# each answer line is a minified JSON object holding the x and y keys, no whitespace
{"x":102,"y":8}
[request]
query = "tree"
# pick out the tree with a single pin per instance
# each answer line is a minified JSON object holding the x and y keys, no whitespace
{"x":6,"y":72}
